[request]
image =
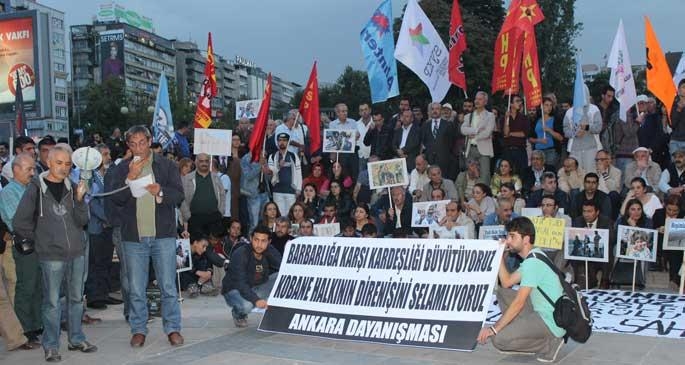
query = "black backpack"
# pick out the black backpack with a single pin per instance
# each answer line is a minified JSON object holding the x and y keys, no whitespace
{"x":571,"y":311}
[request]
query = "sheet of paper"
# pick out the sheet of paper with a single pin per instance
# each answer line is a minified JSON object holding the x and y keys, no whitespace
{"x":258,"y":310}
{"x":138,"y":185}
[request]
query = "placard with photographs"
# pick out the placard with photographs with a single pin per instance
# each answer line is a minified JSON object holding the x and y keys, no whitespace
{"x":426,"y":213}
{"x":674,"y":234}
{"x":294,"y":230}
{"x":636,"y":243}
{"x":587,"y":244}
{"x":388,"y":173}
{"x":492,"y":233}
{"x":184,"y":260}
{"x":442,"y":232}
{"x":339,"y":140}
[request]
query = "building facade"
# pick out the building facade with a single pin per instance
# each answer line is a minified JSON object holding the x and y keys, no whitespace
{"x":105,"y":50}
{"x":38,"y":58}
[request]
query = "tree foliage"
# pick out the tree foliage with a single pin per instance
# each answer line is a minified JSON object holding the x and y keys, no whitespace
{"x":351,"y":88}
{"x":556,"y":53}
{"x":103,"y":108}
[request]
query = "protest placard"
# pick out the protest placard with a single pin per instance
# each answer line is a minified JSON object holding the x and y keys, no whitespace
{"x":674,"y":234}
{"x":412,"y":292}
{"x":549,"y":232}
{"x":247,"y":108}
{"x":326,"y":230}
{"x":214,"y":142}
{"x":426,"y":213}
{"x":339,"y":140}
{"x":184,"y":259}
{"x":492,"y":233}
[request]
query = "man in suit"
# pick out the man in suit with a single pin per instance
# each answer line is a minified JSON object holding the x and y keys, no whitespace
{"x":437,"y":136}
{"x":592,"y":218}
{"x":407,"y":139}
{"x":478,"y":127}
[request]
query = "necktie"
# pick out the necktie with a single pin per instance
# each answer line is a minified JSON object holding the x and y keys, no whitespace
{"x":435,"y":128}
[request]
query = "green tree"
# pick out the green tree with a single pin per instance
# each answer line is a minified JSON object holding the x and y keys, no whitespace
{"x":556,"y":53}
{"x":103,"y":108}
{"x":182,"y":108}
{"x":351,"y":88}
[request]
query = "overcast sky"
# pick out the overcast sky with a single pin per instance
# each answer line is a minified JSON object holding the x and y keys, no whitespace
{"x":286,"y":36}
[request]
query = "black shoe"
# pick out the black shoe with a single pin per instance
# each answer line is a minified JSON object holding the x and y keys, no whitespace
{"x":32,"y":337}
{"x":113,"y":301}
{"x":97,"y":304}
{"x":84,"y":346}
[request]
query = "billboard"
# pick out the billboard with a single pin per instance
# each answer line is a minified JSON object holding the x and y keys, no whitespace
{"x":112,"y":54}
{"x":111,"y":12}
{"x":17,"y":59}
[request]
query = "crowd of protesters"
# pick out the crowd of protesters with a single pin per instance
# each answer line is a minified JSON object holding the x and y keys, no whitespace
{"x":239,"y":212}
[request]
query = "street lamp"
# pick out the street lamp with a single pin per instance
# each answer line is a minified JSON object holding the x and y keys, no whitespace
{"x":124,"y":110}
{"x":151,"y":109}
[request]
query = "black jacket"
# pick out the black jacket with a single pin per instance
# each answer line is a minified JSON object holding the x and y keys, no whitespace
{"x":528,"y":178}
{"x":167,"y":175}
{"x":412,"y":147}
{"x":379,"y":141}
{"x":241,"y":271}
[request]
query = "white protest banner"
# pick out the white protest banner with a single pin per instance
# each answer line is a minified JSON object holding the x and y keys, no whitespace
{"x":632,"y":313}
{"x":247,"y":108}
{"x":412,"y":292}
{"x":214,"y":142}
{"x":326,"y":229}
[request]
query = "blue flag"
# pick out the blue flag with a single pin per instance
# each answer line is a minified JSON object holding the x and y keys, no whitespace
{"x":579,"y":99}
{"x":162,"y":121}
{"x":378,"y":47}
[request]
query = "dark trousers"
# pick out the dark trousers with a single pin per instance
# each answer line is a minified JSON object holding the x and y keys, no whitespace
{"x":517,"y":156}
{"x":200,"y":263}
{"x":675,"y":260}
{"x":29,"y":291}
{"x":101,"y":250}
{"x":203,"y":223}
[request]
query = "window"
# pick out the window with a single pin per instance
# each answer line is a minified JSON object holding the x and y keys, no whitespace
{"x":58,"y":23}
{"x":58,"y":52}
{"x":61,"y":111}
{"x":60,"y":96}
{"x":60,"y":67}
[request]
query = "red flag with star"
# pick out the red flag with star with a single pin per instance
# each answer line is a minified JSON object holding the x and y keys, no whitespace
{"x":530,"y":76}
{"x":309,"y":110}
{"x":259,"y":131}
{"x":457,"y":46}
{"x":203,"y":112}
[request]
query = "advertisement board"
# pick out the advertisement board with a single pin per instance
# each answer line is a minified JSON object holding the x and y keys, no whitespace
{"x":112,"y":54}
{"x":17,"y":59}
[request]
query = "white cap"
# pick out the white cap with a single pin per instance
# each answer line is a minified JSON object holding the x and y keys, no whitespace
{"x":639,"y":149}
{"x":642,"y":98}
{"x":447,"y":105}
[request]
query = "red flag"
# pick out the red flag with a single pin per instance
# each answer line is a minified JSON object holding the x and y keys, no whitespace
{"x":309,"y":110}
{"x":532,"y":86}
{"x":257,"y":137}
{"x":507,"y":63}
{"x":521,"y":19}
{"x":203,"y":113}
{"x":523,"y":14}
{"x":457,"y":47}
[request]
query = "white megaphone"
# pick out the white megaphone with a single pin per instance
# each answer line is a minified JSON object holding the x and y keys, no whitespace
{"x":86,"y":159}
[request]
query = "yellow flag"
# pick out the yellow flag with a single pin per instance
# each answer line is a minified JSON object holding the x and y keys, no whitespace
{"x":659,"y":78}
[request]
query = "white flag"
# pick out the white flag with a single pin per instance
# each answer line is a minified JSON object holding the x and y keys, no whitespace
{"x":622,"y":73}
{"x":679,"y":73}
{"x":420,"y":48}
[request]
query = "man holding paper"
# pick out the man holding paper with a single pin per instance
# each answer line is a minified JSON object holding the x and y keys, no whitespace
{"x":148,"y":230}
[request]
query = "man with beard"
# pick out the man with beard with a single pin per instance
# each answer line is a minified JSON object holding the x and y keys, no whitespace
{"x":251,"y":275}
{"x":527,"y":324}
{"x":642,"y":166}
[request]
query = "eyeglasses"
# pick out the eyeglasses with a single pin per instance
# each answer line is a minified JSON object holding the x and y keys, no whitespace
{"x":601,"y":159}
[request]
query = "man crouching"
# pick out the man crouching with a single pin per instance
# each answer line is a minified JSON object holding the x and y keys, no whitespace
{"x":251,"y":275}
{"x":527,"y":324}
{"x":52,"y":213}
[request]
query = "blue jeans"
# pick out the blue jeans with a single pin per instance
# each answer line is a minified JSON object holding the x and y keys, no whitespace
{"x":242,"y":307}
{"x":123,"y":273}
{"x":137,"y":256}
{"x":254,"y":206}
{"x":54,"y":272}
